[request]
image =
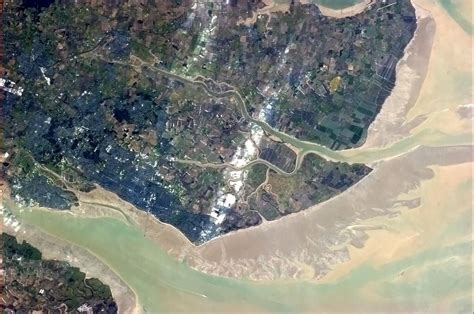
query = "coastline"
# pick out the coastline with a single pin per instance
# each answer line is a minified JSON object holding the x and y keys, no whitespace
{"x":390,"y":124}
{"x":54,"y":248}
{"x":288,"y":254}
{"x":293,"y":236}
{"x":286,"y":247}
{"x":234,"y":254}
{"x":419,"y":49}
{"x":169,"y":237}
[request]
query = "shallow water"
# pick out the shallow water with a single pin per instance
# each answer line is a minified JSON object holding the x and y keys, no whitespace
{"x":164,"y":285}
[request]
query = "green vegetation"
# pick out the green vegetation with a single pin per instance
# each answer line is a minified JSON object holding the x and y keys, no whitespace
{"x":140,"y":50}
{"x":256,"y":175}
{"x":35,"y":284}
{"x":12,"y":248}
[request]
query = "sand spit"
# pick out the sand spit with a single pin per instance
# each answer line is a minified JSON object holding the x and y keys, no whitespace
{"x":53,"y":248}
{"x":100,"y":202}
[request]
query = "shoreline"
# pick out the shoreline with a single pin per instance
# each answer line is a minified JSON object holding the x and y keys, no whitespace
{"x":274,"y":249}
{"x":290,"y":249}
{"x":172,"y":241}
{"x":153,"y":227}
{"x":297,"y":239}
{"x":413,"y":46}
{"x":390,"y":125}
{"x":54,"y":248}
{"x":177,"y":245}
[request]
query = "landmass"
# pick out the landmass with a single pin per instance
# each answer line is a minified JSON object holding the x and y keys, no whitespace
{"x":30,"y":283}
{"x":189,"y":113}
